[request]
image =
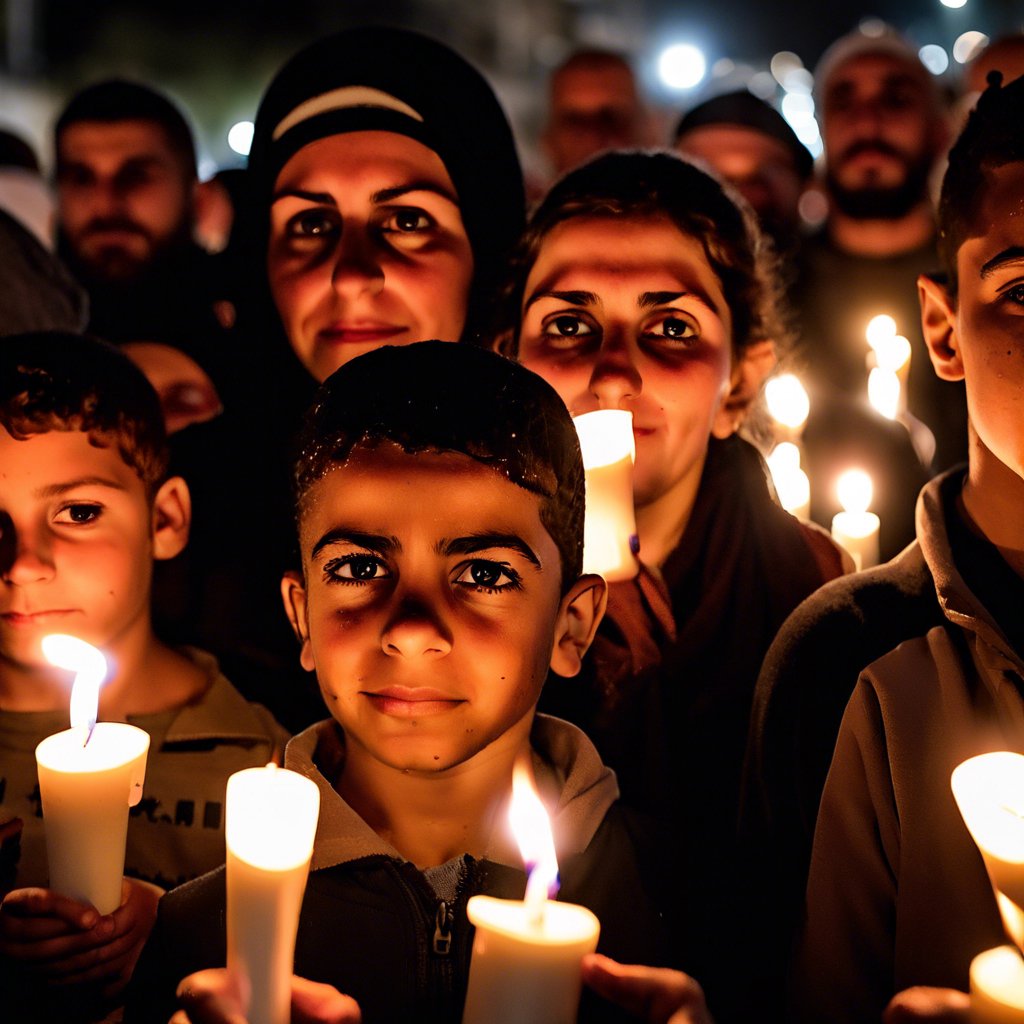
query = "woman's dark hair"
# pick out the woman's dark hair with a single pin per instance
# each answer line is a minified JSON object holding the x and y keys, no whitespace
{"x":660,"y":184}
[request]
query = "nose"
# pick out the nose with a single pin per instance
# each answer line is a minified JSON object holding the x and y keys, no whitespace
{"x":357,"y":265}
{"x":615,"y":378}
{"x":23,"y":561}
{"x":413,"y":631}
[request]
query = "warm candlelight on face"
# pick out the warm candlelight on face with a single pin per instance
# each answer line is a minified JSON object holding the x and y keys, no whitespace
{"x":610,"y":542}
{"x":791,"y":482}
{"x":89,"y":775}
{"x":527,"y":953}
{"x":270,"y":824}
{"x":855,"y":528}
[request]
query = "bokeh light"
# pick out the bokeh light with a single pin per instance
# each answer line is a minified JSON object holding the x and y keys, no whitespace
{"x":681,"y":66}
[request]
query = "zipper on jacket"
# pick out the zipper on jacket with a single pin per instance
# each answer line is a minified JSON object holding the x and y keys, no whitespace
{"x":443,"y":920}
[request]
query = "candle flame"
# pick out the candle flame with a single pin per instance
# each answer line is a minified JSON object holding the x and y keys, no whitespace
{"x":879,"y":329}
{"x":90,"y":668}
{"x":532,"y":830}
{"x":884,"y":392}
{"x":787,"y":400}
{"x":892,"y":353}
{"x":855,"y":490}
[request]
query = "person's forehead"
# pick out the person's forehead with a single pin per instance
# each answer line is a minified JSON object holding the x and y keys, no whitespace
{"x":998,"y":224}
{"x":710,"y":140}
{"x":874,"y":72}
{"x":106,"y":141}
{"x":610,"y":83}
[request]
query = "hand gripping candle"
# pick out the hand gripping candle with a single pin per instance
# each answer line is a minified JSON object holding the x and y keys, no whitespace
{"x":989,"y":791}
{"x":527,"y":954}
{"x":610,"y":544}
{"x":89,"y":775}
{"x":270,"y":825}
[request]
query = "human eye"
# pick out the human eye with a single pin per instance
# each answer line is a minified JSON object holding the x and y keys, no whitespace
{"x":407,"y":220}
{"x":79,"y":513}
{"x":488,"y":577}
{"x":355,"y":569}
{"x":673,"y":329}
{"x":563,"y":329}
{"x":310,"y":223}
{"x":1015,"y":294}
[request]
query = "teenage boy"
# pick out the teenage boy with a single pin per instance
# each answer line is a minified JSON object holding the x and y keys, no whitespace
{"x":440,"y":511}
{"x":86,"y":507}
{"x":898,"y":895}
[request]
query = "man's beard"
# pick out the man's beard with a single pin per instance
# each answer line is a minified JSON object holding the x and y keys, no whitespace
{"x":113,"y":266}
{"x":891,"y":202}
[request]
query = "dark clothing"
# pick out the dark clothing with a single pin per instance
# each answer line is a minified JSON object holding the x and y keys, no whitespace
{"x":897,"y":893}
{"x":372,"y":926}
{"x":835,"y":296}
{"x":666,"y":690}
{"x":36,"y":292}
{"x":807,"y":679}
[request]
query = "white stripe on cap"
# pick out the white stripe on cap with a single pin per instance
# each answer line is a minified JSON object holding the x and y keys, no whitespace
{"x":342,"y":99}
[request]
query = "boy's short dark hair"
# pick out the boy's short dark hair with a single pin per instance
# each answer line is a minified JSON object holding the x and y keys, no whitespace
{"x":117,"y":99}
{"x":661,"y":184}
{"x":992,"y":137}
{"x":50,"y":380}
{"x":440,"y":396}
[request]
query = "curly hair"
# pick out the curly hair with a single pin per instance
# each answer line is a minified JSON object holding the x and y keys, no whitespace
{"x":661,"y":184}
{"x":55,"y":381}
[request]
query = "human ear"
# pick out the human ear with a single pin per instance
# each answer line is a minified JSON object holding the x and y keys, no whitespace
{"x":172,"y":517}
{"x":293,"y":594}
{"x":938,"y":324}
{"x":756,"y":362}
{"x":505,"y":344}
{"x":579,"y":614}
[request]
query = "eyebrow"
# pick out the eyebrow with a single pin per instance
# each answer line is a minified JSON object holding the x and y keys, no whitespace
{"x":647,"y":300}
{"x":1015,"y":254}
{"x":384,"y":195}
{"x":54,"y":490}
{"x":477,"y":542}
{"x":343,"y":535}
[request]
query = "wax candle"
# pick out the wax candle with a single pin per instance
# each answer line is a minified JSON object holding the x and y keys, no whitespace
{"x":527,"y":954}
{"x":270,"y":823}
{"x":855,"y":528}
{"x":997,"y":987}
{"x":788,"y":405}
{"x":791,"y":483}
{"x":89,"y":775}
{"x":610,"y":544}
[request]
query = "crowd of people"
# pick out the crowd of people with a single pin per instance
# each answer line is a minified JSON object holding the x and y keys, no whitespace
{"x":294,"y":448}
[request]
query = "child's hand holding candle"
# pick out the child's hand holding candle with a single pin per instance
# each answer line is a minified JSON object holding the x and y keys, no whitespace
{"x":527,"y":955}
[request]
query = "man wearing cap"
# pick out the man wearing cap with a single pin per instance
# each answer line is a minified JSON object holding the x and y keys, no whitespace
{"x":883,"y":129}
{"x":749,"y":143}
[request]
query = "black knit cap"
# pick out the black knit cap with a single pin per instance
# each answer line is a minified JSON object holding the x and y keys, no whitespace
{"x":435,"y":396}
{"x":386,"y":79}
{"x":744,"y":109}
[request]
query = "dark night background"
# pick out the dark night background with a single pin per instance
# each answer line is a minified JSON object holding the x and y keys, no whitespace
{"x":216,"y":56}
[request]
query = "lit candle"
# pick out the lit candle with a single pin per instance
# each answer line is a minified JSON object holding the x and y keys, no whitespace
{"x":855,"y":528}
{"x":989,"y":791}
{"x":527,"y":954}
{"x":89,"y":775}
{"x":791,"y":483}
{"x":879,"y":329}
{"x":997,"y":987}
{"x":269,"y":826}
{"x":887,"y":379}
{"x":610,"y":544}
{"x":788,"y":405}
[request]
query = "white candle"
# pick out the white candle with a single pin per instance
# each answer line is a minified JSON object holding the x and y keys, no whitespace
{"x":270,"y":824}
{"x":610,"y":544}
{"x":788,"y":405}
{"x":997,"y":987}
{"x":855,"y":528}
{"x":527,"y":954}
{"x":791,"y":482}
{"x":89,"y":775}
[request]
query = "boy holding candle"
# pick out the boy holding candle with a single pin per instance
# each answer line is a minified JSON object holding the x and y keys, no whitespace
{"x":86,"y":507}
{"x":898,"y":896}
{"x":440,"y":513}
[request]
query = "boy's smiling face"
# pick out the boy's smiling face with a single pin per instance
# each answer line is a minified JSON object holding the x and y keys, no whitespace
{"x":431,"y":607}
{"x":78,"y":534}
